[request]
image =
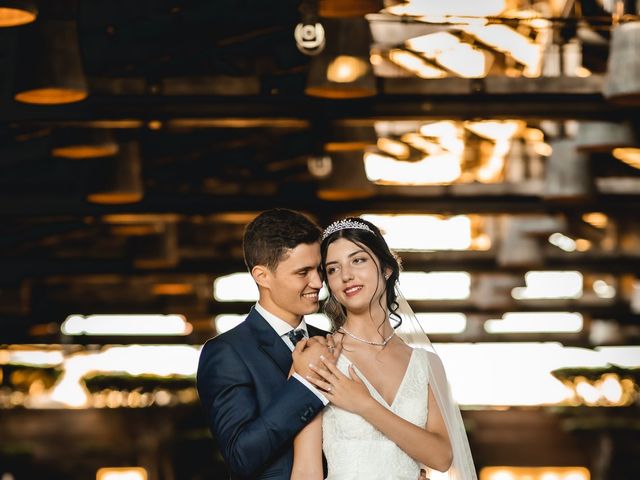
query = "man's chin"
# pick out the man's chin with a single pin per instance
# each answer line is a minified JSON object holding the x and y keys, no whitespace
{"x":312,"y":309}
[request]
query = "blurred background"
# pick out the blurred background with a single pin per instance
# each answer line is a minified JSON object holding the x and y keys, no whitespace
{"x":495,"y":142}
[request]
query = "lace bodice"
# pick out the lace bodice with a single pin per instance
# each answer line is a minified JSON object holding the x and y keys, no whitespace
{"x":355,"y":449}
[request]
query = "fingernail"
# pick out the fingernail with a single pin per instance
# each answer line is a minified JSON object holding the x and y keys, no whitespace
{"x":321,"y":357}
{"x":311,"y":365}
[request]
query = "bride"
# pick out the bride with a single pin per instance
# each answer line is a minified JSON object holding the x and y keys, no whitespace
{"x":390,"y":412}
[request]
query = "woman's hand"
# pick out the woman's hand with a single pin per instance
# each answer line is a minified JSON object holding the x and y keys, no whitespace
{"x":348,"y":393}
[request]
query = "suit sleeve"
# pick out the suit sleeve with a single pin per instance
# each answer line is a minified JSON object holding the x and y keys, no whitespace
{"x":246,"y":436}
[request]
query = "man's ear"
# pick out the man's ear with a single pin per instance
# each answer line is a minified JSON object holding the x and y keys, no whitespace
{"x":261,"y":275}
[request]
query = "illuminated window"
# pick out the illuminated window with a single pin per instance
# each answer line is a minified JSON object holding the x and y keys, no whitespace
{"x":534,"y":473}
{"x":122,"y":473}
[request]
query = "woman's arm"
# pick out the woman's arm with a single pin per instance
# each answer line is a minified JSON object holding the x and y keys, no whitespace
{"x":429,"y":445}
{"x":307,"y":452}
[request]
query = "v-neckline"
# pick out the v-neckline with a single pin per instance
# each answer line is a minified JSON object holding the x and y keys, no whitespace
{"x":395,"y":397}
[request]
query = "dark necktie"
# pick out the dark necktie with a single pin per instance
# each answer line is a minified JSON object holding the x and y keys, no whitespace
{"x":296,"y":335}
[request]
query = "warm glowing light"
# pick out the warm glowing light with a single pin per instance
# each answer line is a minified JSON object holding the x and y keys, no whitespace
{"x":495,"y":129}
{"x":534,"y":134}
{"x":582,"y":244}
{"x":415,"y":64}
{"x":505,"y":39}
{"x":436,"y":323}
{"x":434,"y":43}
{"x":443,"y":129}
{"x":51,"y":96}
{"x":14,"y":16}
{"x":236,"y":287}
{"x":630,"y":156}
{"x":527,"y":366}
{"x":610,"y":388}
{"x":460,"y":8}
{"x":550,"y":284}
{"x":597,"y":219}
{"x":424,"y":232}
{"x":625,"y":356}
{"x":588,"y":392}
{"x":346,"y":69}
{"x":603,"y":290}
{"x":240,"y":287}
{"x":226,"y":322}
{"x":172,"y":289}
{"x":563,"y":242}
{"x":395,"y":148}
{"x":534,"y":473}
{"x":543,"y":149}
{"x":126,"y":325}
{"x":466,"y":61}
{"x":431,"y":170}
{"x":538,"y":322}
{"x":419,"y":142}
{"x":435,"y":285}
{"x":39,"y":358}
{"x":122,"y":473}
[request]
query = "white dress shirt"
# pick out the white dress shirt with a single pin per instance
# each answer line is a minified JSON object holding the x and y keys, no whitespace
{"x":282,"y":328}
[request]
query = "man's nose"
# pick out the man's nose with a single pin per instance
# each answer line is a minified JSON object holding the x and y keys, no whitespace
{"x":316,"y":280}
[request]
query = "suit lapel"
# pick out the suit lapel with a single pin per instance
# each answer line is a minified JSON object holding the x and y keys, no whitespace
{"x":269,"y":341}
{"x":315,"y":332}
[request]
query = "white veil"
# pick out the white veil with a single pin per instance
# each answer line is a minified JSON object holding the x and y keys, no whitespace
{"x":412,"y":333}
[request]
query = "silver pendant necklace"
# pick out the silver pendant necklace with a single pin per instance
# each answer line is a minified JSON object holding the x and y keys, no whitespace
{"x":383,"y":343}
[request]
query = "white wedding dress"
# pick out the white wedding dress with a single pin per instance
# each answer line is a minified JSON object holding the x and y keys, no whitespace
{"x":355,"y":450}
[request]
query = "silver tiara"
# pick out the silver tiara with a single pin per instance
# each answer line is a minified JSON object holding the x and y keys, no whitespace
{"x":343,"y":225}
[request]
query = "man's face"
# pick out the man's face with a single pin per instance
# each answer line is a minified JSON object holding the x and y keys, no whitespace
{"x":292,"y":289}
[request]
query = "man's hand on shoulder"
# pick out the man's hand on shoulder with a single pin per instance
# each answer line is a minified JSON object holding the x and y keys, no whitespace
{"x":308,"y":351}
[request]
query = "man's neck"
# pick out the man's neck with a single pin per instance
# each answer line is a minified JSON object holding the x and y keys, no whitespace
{"x":273,"y":309}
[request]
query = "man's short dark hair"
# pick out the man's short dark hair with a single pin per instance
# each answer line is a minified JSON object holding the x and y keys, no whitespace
{"x":268,"y":236}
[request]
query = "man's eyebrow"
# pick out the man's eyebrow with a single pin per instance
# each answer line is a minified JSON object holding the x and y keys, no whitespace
{"x":305,"y":269}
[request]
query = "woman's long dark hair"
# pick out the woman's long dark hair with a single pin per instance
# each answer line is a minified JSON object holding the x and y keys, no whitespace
{"x":386,"y":260}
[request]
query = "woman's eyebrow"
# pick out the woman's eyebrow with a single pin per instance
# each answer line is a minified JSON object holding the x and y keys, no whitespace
{"x":350,"y":255}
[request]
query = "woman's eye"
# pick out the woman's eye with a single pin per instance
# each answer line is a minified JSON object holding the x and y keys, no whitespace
{"x":330,"y":271}
{"x":359,"y":260}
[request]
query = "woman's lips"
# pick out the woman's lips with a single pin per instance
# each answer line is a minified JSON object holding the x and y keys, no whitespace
{"x":351,"y":291}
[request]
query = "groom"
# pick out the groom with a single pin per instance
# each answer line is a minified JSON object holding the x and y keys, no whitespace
{"x":253,"y":408}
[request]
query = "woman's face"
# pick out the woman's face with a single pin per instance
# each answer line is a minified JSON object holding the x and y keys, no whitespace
{"x":354,"y":276}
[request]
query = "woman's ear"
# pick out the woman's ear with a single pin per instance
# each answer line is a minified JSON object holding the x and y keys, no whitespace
{"x":387,"y":273}
{"x":261,"y":275}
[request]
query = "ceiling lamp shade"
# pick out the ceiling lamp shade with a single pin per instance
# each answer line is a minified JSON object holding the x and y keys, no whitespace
{"x":622,"y":83}
{"x":49,"y":69}
{"x":567,"y":172}
{"x":348,"y":8}
{"x":604,"y":136}
{"x":118,"y":179}
{"x":348,"y":180}
{"x":158,"y":250}
{"x":343,"y":69}
{"x":81,"y":143}
{"x":14,"y":13}
{"x":521,"y":238}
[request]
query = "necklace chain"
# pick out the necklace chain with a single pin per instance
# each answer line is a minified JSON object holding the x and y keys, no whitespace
{"x":383,"y":343}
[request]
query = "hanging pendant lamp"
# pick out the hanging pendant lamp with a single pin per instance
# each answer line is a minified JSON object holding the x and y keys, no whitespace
{"x":14,"y":13}
{"x":49,"y":69}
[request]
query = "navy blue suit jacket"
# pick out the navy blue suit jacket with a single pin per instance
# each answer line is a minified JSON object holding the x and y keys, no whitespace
{"x":253,"y":410}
